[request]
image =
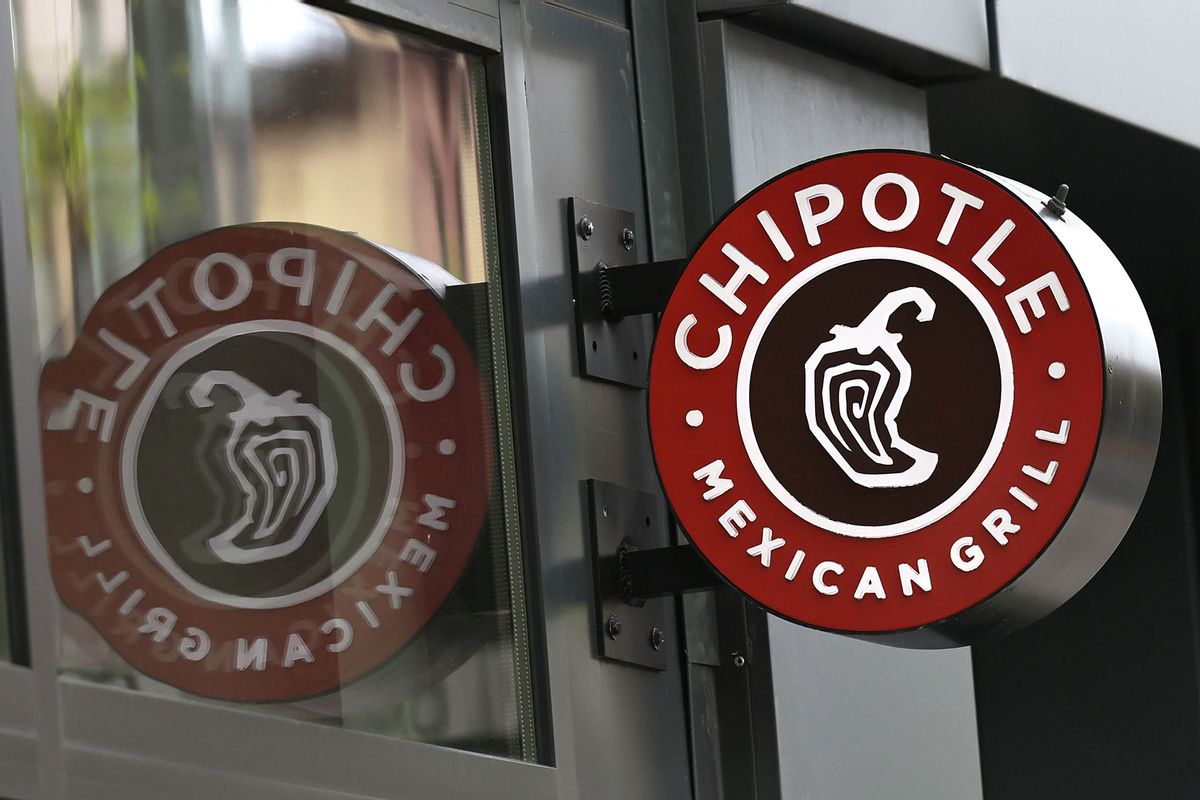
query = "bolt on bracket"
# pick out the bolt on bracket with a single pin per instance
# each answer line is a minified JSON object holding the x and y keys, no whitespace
{"x":628,"y":629}
{"x":610,"y":348}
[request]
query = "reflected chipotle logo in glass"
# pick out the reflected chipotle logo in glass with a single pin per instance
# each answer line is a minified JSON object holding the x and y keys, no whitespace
{"x":877,"y":395}
{"x":267,"y":462}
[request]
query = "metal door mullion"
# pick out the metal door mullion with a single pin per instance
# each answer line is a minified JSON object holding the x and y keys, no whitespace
{"x":24,"y":360}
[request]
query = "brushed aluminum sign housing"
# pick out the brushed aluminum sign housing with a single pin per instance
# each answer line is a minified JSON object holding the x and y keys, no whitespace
{"x":897,"y":397}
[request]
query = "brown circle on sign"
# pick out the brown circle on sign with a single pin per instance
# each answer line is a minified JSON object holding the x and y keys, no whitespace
{"x":952,"y":350}
{"x":187,"y":494}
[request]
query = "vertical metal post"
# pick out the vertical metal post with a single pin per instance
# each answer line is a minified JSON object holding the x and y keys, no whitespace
{"x":24,"y":367}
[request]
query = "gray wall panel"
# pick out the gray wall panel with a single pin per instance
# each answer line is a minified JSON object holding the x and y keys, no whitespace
{"x":788,"y":106}
{"x":954,"y":29}
{"x":847,"y":711}
{"x":620,"y":731}
{"x":1133,"y":61}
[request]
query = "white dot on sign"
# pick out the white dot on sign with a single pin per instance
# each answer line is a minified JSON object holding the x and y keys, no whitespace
{"x":1057,"y":370}
{"x":446,"y":447}
{"x":86,"y":485}
{"x":695,"y":418}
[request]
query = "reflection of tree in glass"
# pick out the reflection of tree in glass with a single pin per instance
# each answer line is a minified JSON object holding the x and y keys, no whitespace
{"x":84,"y":176}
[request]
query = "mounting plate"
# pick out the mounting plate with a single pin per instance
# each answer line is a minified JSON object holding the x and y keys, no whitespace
{"x":620,"y":515}
{"x":616,"y":351}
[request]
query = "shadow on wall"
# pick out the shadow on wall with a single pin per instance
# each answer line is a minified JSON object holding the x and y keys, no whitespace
{"x":1102,"y":698}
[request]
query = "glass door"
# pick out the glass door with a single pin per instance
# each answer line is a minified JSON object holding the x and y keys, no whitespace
{"x":288,"y":522}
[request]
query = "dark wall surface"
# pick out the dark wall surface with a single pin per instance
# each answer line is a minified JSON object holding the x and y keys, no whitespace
{"x":1102,"y":698}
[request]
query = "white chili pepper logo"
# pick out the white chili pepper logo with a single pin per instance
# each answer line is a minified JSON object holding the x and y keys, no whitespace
{"x":280,"y":453}
{"x":855,"y":387}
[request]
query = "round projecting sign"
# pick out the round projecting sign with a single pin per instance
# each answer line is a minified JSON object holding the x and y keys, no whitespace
{"x":892,"y":394}
{"x":267,"y":462}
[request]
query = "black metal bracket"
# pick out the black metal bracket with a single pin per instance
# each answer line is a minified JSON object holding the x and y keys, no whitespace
{"x":637,"y":288}
{"x":662,"y":571}
{"x":629,"y":630}
{"x":634,"y":569}
{"x":613,"y":292}
{"x":603,"y":237}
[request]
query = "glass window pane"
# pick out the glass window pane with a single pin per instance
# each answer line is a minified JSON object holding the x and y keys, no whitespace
{"x":146,"y":123}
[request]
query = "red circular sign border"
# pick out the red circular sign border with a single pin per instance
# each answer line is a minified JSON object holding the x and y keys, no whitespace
{"x":472,"y":454}
{"x":895,"y":634}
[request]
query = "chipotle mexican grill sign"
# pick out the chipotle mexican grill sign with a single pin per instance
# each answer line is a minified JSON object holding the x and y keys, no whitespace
{"x":895,"y":395}
{"x":266,"y":462}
